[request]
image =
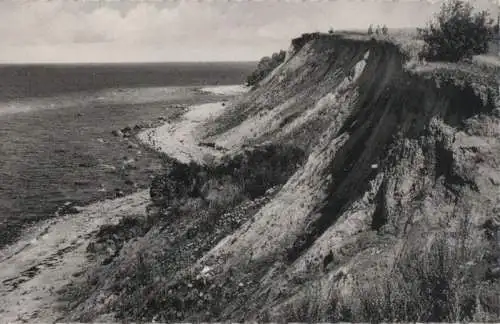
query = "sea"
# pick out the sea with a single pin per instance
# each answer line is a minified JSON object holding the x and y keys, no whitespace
{"x":56,"y":123}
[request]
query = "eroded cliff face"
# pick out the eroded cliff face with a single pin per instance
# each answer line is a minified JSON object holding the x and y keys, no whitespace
{"x":397,"y":159}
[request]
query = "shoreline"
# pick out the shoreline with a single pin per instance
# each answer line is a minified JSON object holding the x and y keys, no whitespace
{"x":180,"y":139}
{"x":78,"y":160}
{"x":48,"y":254}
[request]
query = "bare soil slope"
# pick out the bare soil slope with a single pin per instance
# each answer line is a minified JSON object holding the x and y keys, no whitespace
{"x":391,"y":215}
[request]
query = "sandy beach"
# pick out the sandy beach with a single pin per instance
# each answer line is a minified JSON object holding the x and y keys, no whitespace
{"x":180,"y":140}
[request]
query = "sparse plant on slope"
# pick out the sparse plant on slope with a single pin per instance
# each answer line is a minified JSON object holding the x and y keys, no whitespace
{"x":265,"y":66}
{"x":456,"y":33}
{"x":451,"y":280}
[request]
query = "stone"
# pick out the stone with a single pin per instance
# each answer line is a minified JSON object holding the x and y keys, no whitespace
{"x":132,"y":145}
{"x":119,"y":193}
{"x":117,"y":133}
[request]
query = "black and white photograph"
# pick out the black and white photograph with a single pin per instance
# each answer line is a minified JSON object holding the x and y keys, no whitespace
{"x":263,"y":161}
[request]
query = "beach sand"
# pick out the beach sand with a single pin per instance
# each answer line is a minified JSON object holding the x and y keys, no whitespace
{"x":180,"y":140}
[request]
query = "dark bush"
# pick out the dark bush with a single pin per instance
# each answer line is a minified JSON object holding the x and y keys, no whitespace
{"x":457,"y":33}
{"x":252,"y":171}
{"x":181,"y":180}
{"x":265,"y":66}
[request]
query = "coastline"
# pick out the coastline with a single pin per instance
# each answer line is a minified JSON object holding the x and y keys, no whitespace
{"x":79,"y":159}
{"x":49,"y":255}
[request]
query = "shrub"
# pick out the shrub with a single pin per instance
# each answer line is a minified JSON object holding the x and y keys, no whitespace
{"x":457,"y":33}
{"x":370,"y":30}
{"x":265,"y":66}
{"x":246,"y":175}
{"x":330,"y":31}
{"x":385,"y":30}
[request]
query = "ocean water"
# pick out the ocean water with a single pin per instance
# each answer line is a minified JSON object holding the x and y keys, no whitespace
{"x":56,"y":143}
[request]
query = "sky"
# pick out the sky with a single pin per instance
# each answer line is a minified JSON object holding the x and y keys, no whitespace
{"x":193,"y":30}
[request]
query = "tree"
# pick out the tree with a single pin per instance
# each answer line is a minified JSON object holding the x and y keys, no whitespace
{"x":370,"y":30}
{"x":456,"y":33}
{"x":385,"y":30}
{"x":331,"y":31}
{"x":496,"y":28}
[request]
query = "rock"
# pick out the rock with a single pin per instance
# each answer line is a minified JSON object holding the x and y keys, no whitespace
{"x":132,"y":145}
{"x":126,"y":131}
{"x":108,"y":317}
{"x":117,"y":133}
{"x":100,"y":140}
{"x":128,"y":163}
{"x":129,"y":182}
{"x":110,"y":250}
{"x":207,"y":144}
{"x":108,"y":168}
{"x":68,"y":208}
{"x":206,"y":270}
{"x":119,"y":193}
{"x":82,"y":182}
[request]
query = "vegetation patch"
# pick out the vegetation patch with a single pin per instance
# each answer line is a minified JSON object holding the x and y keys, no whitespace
{"x":265,"y":66}
{"x":457,"y":33}
{"x":246,"y":175}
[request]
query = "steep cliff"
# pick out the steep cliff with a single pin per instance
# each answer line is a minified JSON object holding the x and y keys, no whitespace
{"x":391,"y":215}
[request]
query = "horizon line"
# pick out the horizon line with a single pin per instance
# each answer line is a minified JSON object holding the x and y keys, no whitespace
{"x":120,"y":62}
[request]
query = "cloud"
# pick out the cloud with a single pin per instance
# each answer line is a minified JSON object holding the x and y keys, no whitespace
{"x":79,"y":31}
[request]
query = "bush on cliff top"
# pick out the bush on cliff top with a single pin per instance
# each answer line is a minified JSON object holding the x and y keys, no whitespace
{"x":265,"y":66}
{"x":457,"y":33}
